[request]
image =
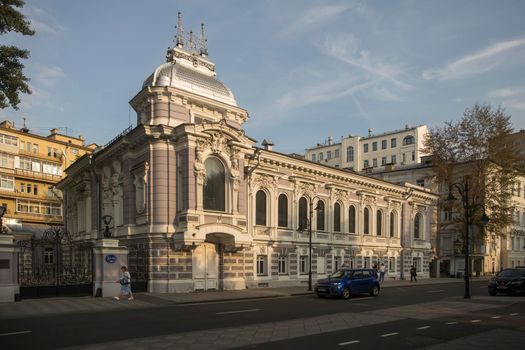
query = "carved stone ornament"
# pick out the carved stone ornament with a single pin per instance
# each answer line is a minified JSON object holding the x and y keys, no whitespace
{"x":340,"y":195}
{"x":264,"y":181}
{"x":140,"y":181}
{"x":262,"y":249}
{"x":304,"y":188}
{"x":368,"y":200}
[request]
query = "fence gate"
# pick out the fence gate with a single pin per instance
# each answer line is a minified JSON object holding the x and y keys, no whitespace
{"x":53,"y":265}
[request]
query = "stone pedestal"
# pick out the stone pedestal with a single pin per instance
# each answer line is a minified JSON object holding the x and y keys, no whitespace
{"x":109,"y":257}
{"x":8,"y":269}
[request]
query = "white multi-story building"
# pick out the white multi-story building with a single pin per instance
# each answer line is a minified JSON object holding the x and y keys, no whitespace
{"x":374,"y":152}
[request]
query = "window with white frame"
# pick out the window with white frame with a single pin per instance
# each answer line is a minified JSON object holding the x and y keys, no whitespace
{"x":7,"y":182}
{"x":350,"y":154}
{"x":48,"y":256}
{"x":262,"y":265}
{"x":392,"y":264}
{"x":338,"y":261}
{"x":418,"y":226}
{"x":366,"y":262}
{"x":283,"y":265}
{"x":25,"y":163}
{"x":313,"y":157}
{"x":303,"y":264}
{"x":336,"y":153}
{"x":9,"y":140}
{"x":7,"y":160}
{"x":260,"y":208}
{"x":418,"y":263}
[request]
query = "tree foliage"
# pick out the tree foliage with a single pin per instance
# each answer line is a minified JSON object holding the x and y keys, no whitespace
{"x":12,"y":79}
{"x":475,"y":148}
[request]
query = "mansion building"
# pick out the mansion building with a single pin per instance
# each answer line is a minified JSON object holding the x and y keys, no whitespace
{"x":199,"y":206}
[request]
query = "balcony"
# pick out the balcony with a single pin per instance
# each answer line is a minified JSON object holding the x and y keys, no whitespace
{"x":29,"y":174}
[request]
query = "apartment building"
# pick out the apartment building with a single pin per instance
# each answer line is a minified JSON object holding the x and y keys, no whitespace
{"x":372,"y":153}
{"x":30,"y":166}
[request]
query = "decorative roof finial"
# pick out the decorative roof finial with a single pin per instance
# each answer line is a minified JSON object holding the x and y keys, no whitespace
{"x":203,"y":50}
{"x":179,"y":39}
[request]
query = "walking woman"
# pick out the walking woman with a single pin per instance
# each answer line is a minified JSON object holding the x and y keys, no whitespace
{"x":125,"y":284}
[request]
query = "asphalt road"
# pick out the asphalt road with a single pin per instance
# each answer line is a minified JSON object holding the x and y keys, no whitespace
{"x":56,"y":331}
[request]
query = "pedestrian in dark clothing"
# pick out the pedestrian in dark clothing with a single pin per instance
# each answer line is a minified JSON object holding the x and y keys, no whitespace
{"x":413,"y":274}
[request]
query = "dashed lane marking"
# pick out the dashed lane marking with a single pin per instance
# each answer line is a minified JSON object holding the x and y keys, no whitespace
{"x":14,"y":333}
{"x":435,"y":291}
{"x":349,"y":342}
{"x":451,"y":323}
{"x":475,"y":321}
{"x":496,"y":317}
{"x":514,"y":314}
{"x":389,"y":334}
{"x":423,"y":327}
{"x":236,"y":312}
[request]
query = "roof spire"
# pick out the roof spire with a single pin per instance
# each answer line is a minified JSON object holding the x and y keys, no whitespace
{"x":179,"y":38}
{"x":203,"y":50}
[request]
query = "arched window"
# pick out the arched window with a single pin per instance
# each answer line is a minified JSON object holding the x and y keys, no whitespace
{"x":283,"y":210}
{"x":214,"y":185}
{"x":303,"y":213}
{"x":379,"y":223}
{"x":337,"y":217}
{"x":349,"y":154}
{"x":418,"y":226}
{"x":320,"y":216}
{"x":408,"y":140}
{"x":366,"y":221}
{"x":351,"y":219}
{"x":260,"y":208}
{"x":393,"y":224}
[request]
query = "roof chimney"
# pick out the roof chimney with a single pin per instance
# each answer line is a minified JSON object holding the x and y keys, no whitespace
{"x":267,"y":144}
{"x":330,"y":140}
{"x":54,"y":131}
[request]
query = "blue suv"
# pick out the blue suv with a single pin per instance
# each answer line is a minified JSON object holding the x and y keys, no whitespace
{"x":346,"y":282}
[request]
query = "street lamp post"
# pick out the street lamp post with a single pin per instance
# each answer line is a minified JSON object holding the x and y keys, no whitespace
{"x":463,"y":190}
{"x":309,"y":223}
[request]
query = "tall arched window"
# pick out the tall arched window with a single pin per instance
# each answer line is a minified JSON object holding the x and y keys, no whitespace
{"x":349,"y":154}
{"x":260,"y":208}
{"x":393,"y":224}
{"x":337,"y":217}
{"x":320,"y":216}
{"x":418,"y":226}
{"x":283,"y":210}
{"x":379,"y":223}
{"x":366,"y":221}
{"x":351,"y":219}
{"x":303,"y":213}
{"x":214,"y":185}
{"x":409,"y":140}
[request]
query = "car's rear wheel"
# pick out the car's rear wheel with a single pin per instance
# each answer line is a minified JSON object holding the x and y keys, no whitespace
{"x":493,"y":293}
{"x":346,"y":293}
{"x":374,"y":291}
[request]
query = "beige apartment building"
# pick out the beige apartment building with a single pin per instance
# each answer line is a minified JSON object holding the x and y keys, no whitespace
{"x":30,"y":166}
{"x":373,"y":153}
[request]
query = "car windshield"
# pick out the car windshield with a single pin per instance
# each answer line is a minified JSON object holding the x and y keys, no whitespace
{"x":341,"y":274}
{"x":512,"y":273}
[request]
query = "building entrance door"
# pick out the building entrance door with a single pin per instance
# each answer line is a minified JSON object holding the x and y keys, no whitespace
{"x":205,"y":263}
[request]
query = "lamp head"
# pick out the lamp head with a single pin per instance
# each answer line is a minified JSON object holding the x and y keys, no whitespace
{"x":107,"y":219}
{"x":450,"y":197}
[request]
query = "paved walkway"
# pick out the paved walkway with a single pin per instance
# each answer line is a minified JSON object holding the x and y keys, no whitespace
{"x":61,"y":305}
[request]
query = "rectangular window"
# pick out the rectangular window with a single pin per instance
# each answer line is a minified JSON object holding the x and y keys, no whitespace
{"x":35,"y":190}
{"x":34,"y":207}
{"x":22,"y":145}
{"x":366,"y":164}
{"x":261,"y":265}
{"x":35,"y":148}
{"x":366,"y":262}
{"x":337,"y":263}
{"x":383,"y":160}
{"x":48,"y":256}
{"x":303,"y":264}
{"x":329,"y":155}
{"x":313,"y":157}
{"x":321,"y":156}
{"x":394,"y":160}
{"x":420,"y":182}
{"x":383,"y":144}
{"x":28,"y":188}
{"x":25,"y":163}
{"x":9,"y":140}
{"x":7,"y":161}
{"x":7,"y":182}
{"x":22,"y":187}
{"x":393,"y":143}
{"x":49,"y":151}
{"x":336,"y":153}
{"x":22,"y":206}
{"x":418,"y":264}
{"x":55,"y":152}
{"x":392,"y":265}
{"x":29,"y":146}
{"x":374,"y":162}
{"x":282,"y":265}
{"x":374,"y":146}
{"x":413,"y":156}
{"x":365,"y":148}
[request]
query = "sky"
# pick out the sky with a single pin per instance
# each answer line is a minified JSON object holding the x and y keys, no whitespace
{"x":304,"y":70}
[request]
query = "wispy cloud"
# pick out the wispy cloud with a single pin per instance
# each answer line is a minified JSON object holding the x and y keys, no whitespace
{"x":509,"y":97}
{"x":505,"y":92}
{"x":315,"y":16}
{"x":346,"y":49}
{"x":42,"y":21}
{"x":475,"y":63}
{"x":47,"y":76}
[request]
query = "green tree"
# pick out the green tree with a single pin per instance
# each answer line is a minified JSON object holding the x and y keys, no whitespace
{"x":476,"y":148}
{"x":12,"y":79}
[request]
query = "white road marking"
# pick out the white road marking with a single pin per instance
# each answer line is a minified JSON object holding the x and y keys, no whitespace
{"x":424,"y":327}
{"x":496,"y":317}
{"x":514,"y":314}
{"x":359,"y":299}
{"x":389,"y":334}
{"x":435,"y":291}
{"x":474,"y":321}
{"x":236,"y":312}
{"x":451,"y":323}
{"x":349,"y":342}
{"x":14,"y":333}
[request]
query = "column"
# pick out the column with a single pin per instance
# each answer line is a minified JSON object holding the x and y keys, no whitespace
{"x":108,"y":258}
{"x":8,"y":269}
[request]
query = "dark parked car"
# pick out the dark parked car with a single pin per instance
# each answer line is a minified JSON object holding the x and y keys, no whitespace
{"x":346,"y":282}
{"x":508,"y":281}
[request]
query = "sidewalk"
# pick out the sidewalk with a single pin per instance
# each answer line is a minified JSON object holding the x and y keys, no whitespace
{"x":63,"y":305}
